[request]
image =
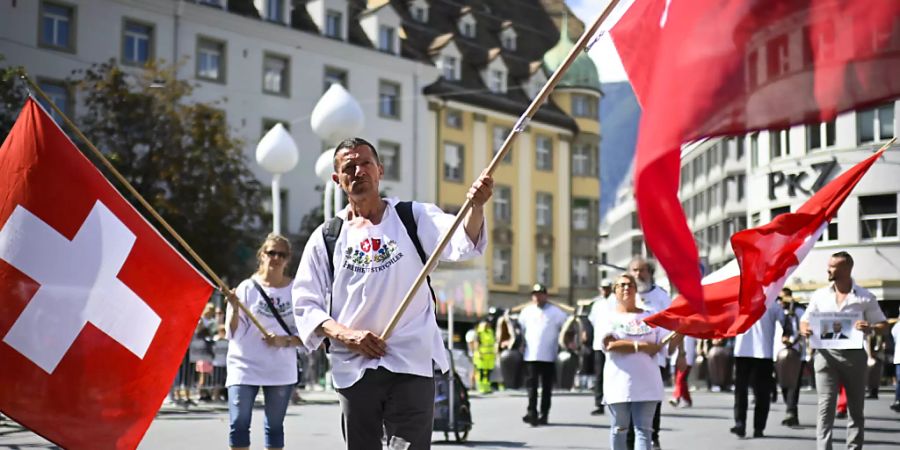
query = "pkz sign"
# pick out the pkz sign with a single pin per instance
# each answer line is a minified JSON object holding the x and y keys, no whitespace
{"x":799,"y":181}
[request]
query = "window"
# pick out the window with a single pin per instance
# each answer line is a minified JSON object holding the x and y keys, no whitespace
{"x":724,"y":150}
{"x":500,"y":134}
{"x":637,"y":246}
{"x":137,"y":43}
{"x":544,"y":265}
{"x":334,"y":24}
{"x":544,"y":209}
{"x":509,"y":42}
{"x":878,"y":216}
{"x":775,"y":212}
{"x":420,"y":14}
{"x":275,"y":10}
{"x":453,"y":162}
{"x":544,"y":153}
{"x":211,"y":60}
{"x":814,"y":134}
{"x":584,"y":106}
{"x":275,"y":74}
{"x":497,"y":81}
{"x":713,"y":156}
{"x":502,"y":265}
{"x":741,"y":186}
{"x":389,"y":100}
{"x":754,"y":150}
{"x":389,"y":154}
{"x":581,"y":275}
{"x":876,"y":124}
{"x":779,"y":143}
{"x":777,"y":61}
{"x":334,"y":75}
{"x":583,"y":160}
{"x":267,"y":125}
{"x":467,"y":26}
{"x":454,"y":119}
{"x":386,"y":39}
{"x":581,"y":214}
{"x":57,"y":27}
{"x":502,"y":204}
{"x":60,"y":95}
{"x":448,"y":67}
{"x":830,"y":233}
{"x":740,"y":148}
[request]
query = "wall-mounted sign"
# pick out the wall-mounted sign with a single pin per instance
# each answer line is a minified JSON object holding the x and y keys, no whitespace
{"x":800,"y":181}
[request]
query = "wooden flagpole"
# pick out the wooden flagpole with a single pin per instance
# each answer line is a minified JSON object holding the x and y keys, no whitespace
{"x":131,"y":190}
{"x":507,"y":144}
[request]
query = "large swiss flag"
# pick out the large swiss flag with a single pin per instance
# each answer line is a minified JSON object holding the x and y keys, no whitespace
{"x":705,"y":68}
{"x":96,"y":308}
{"x":737,"y":295}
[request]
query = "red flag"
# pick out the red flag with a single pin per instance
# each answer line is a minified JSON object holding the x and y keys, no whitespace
{"x":97,"y":308}
{"x":717,"y":67}
{"x":737,"y":295}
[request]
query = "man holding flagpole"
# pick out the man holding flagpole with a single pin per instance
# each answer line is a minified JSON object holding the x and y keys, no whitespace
{"x":349,"y":294}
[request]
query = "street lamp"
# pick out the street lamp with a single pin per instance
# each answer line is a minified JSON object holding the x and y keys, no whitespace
{"x":277,"y":153}
{"x":336,"y":116}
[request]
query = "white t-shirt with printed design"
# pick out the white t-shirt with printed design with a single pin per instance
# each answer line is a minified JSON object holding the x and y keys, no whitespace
{"x":630,"y":377}
{"x":250,"y":360}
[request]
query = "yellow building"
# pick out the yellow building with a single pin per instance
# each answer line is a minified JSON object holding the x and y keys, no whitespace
{"x":543,"y":218}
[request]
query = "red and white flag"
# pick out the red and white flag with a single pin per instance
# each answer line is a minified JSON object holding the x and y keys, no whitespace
{"x":705,"y":68}
{"x":97,"y":308}
{"x":737,"y":295}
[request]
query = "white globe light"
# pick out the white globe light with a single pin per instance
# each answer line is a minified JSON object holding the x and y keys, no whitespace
{"x":337,"y":115}
{"x":325,"y":166}
{"x":277,"y":151}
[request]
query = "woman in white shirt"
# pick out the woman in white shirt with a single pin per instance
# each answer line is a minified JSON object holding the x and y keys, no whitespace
{"x":255,"y":360}
{"x":632,"y":384}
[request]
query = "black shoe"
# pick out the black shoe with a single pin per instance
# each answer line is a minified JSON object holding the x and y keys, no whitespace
{"x":530,"y":419}
{"x":841,"y":415}
{"x":655,"y":445}
{"x":542,"y":420}
{"x":598,"y":412}
{"x":790,"y":422}
{"x":896,"y":406}
{"x":872,"y":396}
{"x":740,"y":432}
{"x":758,"y":434}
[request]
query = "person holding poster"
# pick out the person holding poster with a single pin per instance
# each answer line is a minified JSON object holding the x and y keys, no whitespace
{"x":841,"y":361}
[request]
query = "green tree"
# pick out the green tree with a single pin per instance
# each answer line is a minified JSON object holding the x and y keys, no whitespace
{"x":12,"y":97}
{"x":180,"y":155}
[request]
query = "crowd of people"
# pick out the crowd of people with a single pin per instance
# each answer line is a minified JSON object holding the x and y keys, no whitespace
{"x":355,"y":270}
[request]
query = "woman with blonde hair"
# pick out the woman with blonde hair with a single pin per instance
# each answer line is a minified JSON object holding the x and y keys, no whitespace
{"x":632,"y":384}
{"x":256,"y":361}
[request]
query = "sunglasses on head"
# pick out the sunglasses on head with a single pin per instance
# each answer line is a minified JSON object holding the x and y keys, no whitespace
{"x":274,"y":253}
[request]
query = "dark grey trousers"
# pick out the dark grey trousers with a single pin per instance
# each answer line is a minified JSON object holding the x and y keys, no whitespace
{"x":381,"y":402}
{"x":833,"y":369}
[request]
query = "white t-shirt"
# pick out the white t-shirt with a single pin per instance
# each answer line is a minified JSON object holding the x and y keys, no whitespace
{"x":690,"y":351}
{"x":654,"y":301}
{"x":374,"y":267}
{"x":600,"y":307}
{"x":630,"y":377}
{"x":859,"y":300}
{"x":250,"y":360}
{"x":895,"y":332}
{"x":541,"y":327}
{"x":758,"y":341}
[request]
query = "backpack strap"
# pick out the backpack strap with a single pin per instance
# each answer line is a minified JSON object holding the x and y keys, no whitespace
{"x":331,"y":230}
{"x":405,"y":212}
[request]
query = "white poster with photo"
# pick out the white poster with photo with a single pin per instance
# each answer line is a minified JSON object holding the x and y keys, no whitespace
{"x":835,"y":330}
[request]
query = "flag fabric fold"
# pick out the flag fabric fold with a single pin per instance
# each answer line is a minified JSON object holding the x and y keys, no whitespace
{"x":737,"y":295}
{"x":704,"y":68}
{"x":98,"y":309}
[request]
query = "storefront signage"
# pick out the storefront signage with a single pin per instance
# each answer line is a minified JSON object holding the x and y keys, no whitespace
{"x":800,"y":181}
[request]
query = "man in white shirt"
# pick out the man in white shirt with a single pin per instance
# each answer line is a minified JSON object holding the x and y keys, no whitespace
{"x":541,"y":323}
{"x":653,"y":299}
{"x":895,"y":333}
{"x":350,"y":296}
{"x":599,"y":307}
{"x":754,"y":368}
{"x":842,"y":367}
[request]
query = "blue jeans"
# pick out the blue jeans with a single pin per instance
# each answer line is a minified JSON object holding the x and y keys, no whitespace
{"x":897,"y":369}
{"x":240,"y":408}
{"x":621,"y":416}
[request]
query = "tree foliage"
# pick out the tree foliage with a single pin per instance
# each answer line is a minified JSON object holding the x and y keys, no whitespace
{"x":179,"y":155}
{"x":12,"y":97}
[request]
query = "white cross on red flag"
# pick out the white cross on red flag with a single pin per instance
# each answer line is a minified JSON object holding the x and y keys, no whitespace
{"x":97,"y":308}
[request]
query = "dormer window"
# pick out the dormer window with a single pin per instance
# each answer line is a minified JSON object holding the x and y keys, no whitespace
{"x":386,"y":38}
{"x":497,"y":81}
{"x":449,"y":66}
{"x":419,"y":11}
{"x":467,"y":25}
{"x":508,"y":37}
{"x":275,"y":11}
{"x":334,"y":24}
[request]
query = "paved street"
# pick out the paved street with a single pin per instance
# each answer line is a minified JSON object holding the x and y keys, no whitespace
{"x":498,"y":426}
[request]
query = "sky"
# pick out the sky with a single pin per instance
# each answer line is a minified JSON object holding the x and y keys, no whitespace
{"x":603,"y":52}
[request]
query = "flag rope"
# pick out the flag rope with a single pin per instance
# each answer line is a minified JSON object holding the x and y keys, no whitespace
{"x":131,"y":190}
{"x":538,"y":101}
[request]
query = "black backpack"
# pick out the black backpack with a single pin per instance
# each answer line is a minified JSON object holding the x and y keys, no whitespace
{"x":331,"y":230}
